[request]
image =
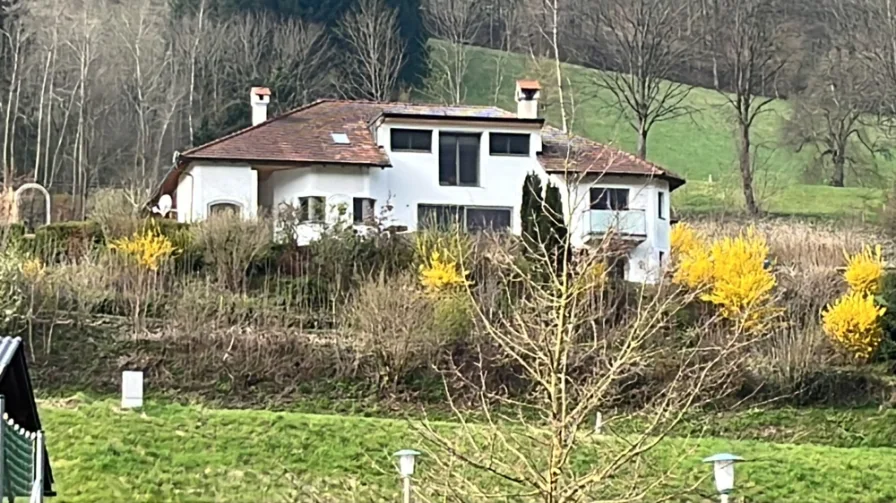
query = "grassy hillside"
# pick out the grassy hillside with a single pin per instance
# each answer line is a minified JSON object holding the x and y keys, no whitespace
{"x":180,"y":453}
{"x":698,"y":147}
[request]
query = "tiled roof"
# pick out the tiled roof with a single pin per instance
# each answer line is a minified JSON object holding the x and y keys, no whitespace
{"x":563,"y":153}
{"x":305,"y":134}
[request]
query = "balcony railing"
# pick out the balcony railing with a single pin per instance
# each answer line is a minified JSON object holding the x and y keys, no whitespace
{"x":623,"y":223}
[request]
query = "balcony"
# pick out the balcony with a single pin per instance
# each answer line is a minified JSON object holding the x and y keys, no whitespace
{"x":623,"y":224}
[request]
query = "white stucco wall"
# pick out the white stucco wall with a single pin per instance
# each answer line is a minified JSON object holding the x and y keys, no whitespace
{"x":413,"y":179}
{"x":414,"y":176}
{"x":205,"y":184}
{"x":644,"y":259}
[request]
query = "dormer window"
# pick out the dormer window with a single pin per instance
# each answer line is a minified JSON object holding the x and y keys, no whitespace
{"x":508,"y":144}
{"x":411,"y":140}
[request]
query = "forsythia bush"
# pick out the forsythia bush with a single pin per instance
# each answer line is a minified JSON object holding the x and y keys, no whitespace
{"x":865,"y":271}
{"x":854,"y":321}
{"x":437,"y":274}
{"x":148,"y":249}
{"x":732,"y":272}
{"x":684,"y":240}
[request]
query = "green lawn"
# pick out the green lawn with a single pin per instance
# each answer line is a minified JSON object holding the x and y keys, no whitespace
{"x":698,"y":147}
{"x":189,"y":453}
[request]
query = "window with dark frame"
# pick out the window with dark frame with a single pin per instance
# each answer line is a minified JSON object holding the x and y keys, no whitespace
{"x":312,"y":209}
{"x":662,"y":256}
{"x":363,"y":210}
{"x":411,"y":140}
{"x":609,"y":199}
{"x":458,"y":159}
{"x":661,"y":205}
{"x":470,"y":218}
{"x":508,"y":144}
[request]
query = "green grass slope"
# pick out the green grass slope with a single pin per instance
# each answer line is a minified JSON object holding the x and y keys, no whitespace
{"x":181,"y":453}
{"x":698,"y":146}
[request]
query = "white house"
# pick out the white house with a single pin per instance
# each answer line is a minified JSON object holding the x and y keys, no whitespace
{"x":412,"y":164}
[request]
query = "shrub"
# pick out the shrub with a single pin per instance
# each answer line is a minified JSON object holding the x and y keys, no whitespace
{"x":864,"y":271}
{"x":438,"y":274}
{"x":148,"y":249}
{"x":12,"y":297}
{"x":732,"y":271}
{"x":341,"y":255}
{"x":685,"y":240}
{"x":66,"y":240}
{"x":392,"y":324}
{"x":854,"y":323}
{"x":230,"y":243}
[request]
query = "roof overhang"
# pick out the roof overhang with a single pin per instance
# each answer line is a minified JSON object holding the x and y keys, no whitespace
{"x":673,"y":181}
{"x":538,"y":121}
{"x":170,"y":181}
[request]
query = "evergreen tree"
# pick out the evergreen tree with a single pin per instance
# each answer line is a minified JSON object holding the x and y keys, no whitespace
{"x":542,"y":219}
{"x":530,"y":211}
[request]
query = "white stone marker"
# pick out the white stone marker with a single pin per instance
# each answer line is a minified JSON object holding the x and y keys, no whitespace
{"x":131,"y":389}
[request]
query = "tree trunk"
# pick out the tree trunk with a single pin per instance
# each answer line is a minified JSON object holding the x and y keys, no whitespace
{"x":642,"y":140}
{"x":837,"y":177}
{"x":746,"y":170}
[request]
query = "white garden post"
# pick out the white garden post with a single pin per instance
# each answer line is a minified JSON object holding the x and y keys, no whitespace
{"x":131,"y":389}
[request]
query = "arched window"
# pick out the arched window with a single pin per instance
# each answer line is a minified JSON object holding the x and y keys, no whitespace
{"x":224,"y":207}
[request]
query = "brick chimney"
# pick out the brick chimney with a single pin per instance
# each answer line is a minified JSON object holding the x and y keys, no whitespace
{"x":260,"y":99}
{"x":527,"y":94}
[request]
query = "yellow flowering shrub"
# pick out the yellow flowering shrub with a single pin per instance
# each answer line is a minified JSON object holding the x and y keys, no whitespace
{"x":854,"y":323}
{"x":684,"y":240}
{"x":732,"y":272}
{"x":148,"y":249}
{"x":438,"y":273}
{"x":865,"y":270}
{"x":695,"y":269}
{"x":33,"y":269}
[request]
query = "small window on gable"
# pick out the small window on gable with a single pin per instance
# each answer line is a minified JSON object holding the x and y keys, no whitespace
{"x":312,"y":209}
{"x":362,"y":210}
{"x":609,"y":199}
{"x":661,"y":205}
{"x":508,"y":144}
{"x":411,"y":140}
{"x":224,"y":208}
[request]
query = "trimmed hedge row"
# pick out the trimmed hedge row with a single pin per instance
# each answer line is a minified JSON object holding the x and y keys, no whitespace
{"x":62,"y":240}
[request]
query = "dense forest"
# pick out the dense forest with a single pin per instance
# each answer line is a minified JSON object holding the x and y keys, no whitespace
{"x":104,"y":92}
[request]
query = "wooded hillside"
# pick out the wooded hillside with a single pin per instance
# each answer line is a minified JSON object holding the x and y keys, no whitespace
{"x":104,"y":92}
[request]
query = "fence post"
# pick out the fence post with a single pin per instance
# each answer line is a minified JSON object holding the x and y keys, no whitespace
{"x":37,"y":488}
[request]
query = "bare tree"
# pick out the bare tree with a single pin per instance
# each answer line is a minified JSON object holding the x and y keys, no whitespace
{"x":456,"y":22}
{"x":580,"y":347}
{"x":828,"y":115}
{"x":551,"y":11}
{"x":747,"y":42}
{"x":375,"y":51}
{"x":301,"y":62}
{"x":645,"y":48}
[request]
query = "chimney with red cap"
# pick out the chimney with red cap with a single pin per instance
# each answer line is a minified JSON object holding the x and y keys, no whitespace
{"x":527,"y":94}
{"x":260,"y":99}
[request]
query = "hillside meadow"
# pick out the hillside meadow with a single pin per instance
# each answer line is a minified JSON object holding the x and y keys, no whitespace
{"x":701,"y":146}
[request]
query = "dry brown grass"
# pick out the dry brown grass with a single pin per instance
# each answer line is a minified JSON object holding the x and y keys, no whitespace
{"x":800,"y":244}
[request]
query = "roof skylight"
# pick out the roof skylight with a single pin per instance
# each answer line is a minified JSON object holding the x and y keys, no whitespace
{"x":340,"y":138}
